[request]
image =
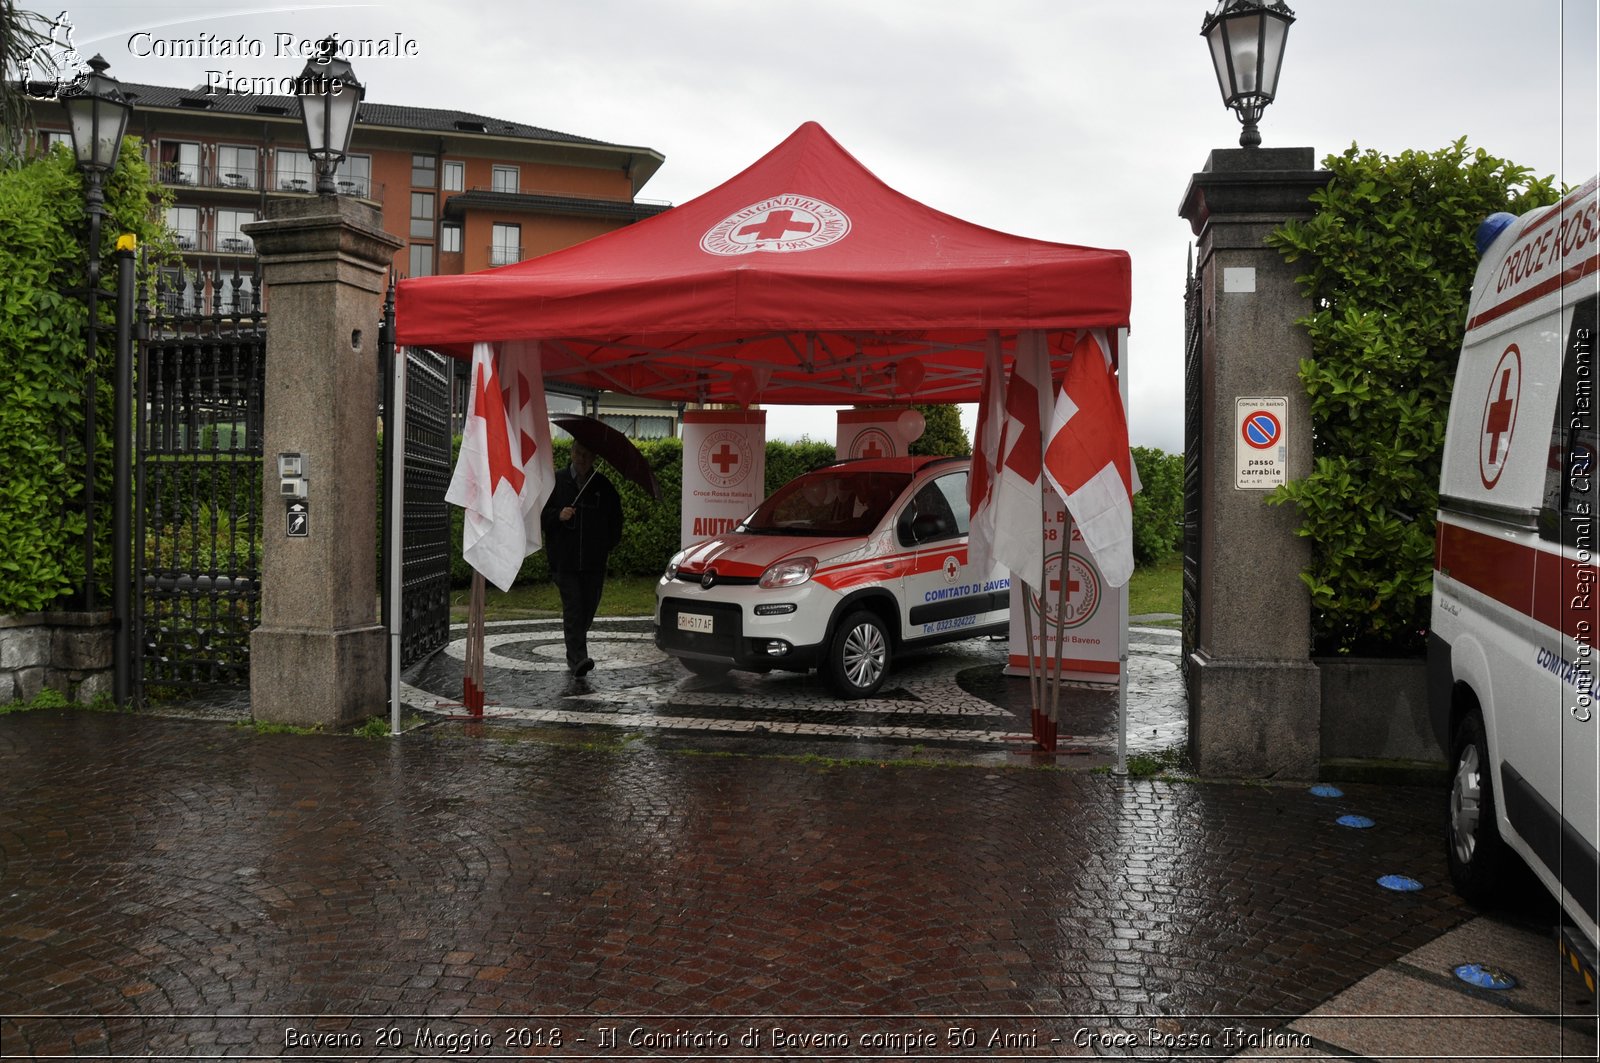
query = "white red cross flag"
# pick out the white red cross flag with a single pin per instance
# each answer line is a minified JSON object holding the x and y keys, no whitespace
{"x":1019,"y":512}
{"x":986,"y":460}
{"x":504,"y":473}
{"x":1087,"y":461}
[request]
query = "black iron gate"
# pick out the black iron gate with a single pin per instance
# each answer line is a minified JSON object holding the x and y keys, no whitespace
{"x":1191,"y":462}
{"x":197,"y":482}
{"x":425,"y":518}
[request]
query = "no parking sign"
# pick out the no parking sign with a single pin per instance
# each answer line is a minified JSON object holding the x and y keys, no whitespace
{"x":1259,"y":443}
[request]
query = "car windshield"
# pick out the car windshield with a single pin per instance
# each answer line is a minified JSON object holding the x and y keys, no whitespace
{"x":839,"y":502}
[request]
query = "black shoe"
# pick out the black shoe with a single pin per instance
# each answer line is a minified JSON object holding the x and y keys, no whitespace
{"x":583,"y":667}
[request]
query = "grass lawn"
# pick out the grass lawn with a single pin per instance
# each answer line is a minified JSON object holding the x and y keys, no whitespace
{"x":1157,"y":588}
{"x":623,"y":596}
{"x":1153,"y":589}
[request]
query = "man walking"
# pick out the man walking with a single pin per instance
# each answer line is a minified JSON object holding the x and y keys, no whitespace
{"x":582,"y":524}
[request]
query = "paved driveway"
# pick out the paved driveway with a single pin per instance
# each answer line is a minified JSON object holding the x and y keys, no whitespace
{"x":187,"y":889}
{"x":950,"y":702}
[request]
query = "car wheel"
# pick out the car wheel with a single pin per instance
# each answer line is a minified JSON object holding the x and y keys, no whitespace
{"x":1480,"y":862}
{"x":709,"y":669}
{"x":858,"y":657}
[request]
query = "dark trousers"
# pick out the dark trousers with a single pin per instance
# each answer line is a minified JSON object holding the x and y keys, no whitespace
{"x":580,"y":599}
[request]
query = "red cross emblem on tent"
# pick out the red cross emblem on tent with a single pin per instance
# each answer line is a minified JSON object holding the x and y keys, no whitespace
{"x":1499,"y":416}
{"x":778,"y":224}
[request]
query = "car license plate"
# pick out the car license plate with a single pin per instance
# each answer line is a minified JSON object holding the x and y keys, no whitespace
{"x":694,"y":622}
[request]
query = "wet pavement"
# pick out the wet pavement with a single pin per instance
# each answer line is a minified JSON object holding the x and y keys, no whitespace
{"x":650,"y":877}
{"x":949,"y":703}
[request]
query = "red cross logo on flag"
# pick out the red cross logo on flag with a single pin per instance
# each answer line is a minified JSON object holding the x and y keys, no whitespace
{"x":504,"y":473}
{"x":1087,"y":459}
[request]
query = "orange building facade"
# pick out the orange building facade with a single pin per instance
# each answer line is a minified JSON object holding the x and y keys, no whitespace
{"x":465,"y":192}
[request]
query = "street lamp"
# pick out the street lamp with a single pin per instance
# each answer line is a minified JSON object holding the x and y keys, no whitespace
{"x":330,"y":99}
{"x":1246,"y":38}
{"x":97,"y":114}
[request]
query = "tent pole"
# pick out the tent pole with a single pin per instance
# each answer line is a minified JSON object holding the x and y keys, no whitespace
{"x":1121,"y":766}
{"x":394,"y":511}
{"x":1061,"y":633}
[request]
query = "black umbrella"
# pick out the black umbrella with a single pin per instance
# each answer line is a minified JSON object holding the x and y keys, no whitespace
{"x":612,"y":445}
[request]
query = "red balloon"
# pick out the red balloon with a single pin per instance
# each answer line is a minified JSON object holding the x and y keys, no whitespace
{"x":908,"y":374}
{"x":743,"y":385}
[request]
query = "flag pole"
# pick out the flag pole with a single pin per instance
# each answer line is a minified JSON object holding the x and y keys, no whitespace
{"x":1034,"y":715}
{"x":472,"y":694}
{"x":1061,"y":637}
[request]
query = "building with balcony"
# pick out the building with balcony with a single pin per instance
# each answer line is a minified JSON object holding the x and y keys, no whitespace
{"x":464,"y":191}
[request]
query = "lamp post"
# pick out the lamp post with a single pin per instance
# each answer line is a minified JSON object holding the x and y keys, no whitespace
{"x":97,"y":113}
{"x":330,"y":99}
{"x":1246,"y":39}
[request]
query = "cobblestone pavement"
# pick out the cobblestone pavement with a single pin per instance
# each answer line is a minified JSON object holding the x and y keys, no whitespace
{"x":588,"y":874}
{"x":950,"y":702}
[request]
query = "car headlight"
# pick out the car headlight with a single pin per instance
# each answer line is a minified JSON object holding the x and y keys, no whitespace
{"x":790,"y":573}
{"x":673,"y":563}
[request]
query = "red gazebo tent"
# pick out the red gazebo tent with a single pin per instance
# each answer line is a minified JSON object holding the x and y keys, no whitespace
{"x":803,"y":279}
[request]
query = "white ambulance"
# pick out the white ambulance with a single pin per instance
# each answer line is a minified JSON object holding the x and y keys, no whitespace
{"x":1514,"y":650}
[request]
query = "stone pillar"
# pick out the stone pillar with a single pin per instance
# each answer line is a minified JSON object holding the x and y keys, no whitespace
{"x":1255,"y":696}
{"x":319,"y":655}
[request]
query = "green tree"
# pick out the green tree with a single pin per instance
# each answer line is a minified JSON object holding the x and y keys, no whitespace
{"x":1158,"y":507}
{"x":943,"y":436}
{"x":43,"y":364}
{"x":20,"y":33}
{"x":1389,"y":259}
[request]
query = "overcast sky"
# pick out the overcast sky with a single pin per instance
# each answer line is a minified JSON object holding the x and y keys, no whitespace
{"x":1078,"y":121}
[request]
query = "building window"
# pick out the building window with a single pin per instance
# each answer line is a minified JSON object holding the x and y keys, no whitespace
{"x":229,"y":238}
{"x":236,"y":167}
{"x":422,"y":214}
{"x":48,"y":139}
{"x":507,"y":245}
{"x":354,"y":176}
{"x":180,"y":163}
{"x":505,"y":178}
{"x":176,"y":292}
{"x":184,"y":224}
{"x":421,"y":260}
{"x":294,"y":171}
{"x":235,"y":298}
{"x":424,"y":171}
{"x":455,"y":176}
{"x":637,"y":427}
{"x":449,"y":239}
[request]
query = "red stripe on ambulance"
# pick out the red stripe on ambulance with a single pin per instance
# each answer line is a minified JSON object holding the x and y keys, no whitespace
{"x":1559,"y":592}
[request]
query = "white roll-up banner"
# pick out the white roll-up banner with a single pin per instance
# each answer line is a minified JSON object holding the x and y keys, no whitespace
{"x":724,"y":470}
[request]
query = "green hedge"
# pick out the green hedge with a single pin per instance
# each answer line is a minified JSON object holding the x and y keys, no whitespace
{"x":652,"y":528}
{"x":43,"y":366}
{"x":1389,"y":260}
{"x":1158,"y":507}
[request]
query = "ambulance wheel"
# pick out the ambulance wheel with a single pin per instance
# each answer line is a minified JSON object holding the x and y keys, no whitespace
{"x":858,"y":656}
{"x":708,"y":669}
{"x":1480,"y":862}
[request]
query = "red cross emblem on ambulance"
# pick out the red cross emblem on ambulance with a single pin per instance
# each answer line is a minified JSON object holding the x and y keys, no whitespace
{"x":1499,"y":416}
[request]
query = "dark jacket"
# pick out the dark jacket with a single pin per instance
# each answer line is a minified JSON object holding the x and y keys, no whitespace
{"x":582,"y":543}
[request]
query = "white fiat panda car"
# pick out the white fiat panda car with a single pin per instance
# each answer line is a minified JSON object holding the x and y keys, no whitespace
{"x":1514,"y":645}
{"x":839,"y":570}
